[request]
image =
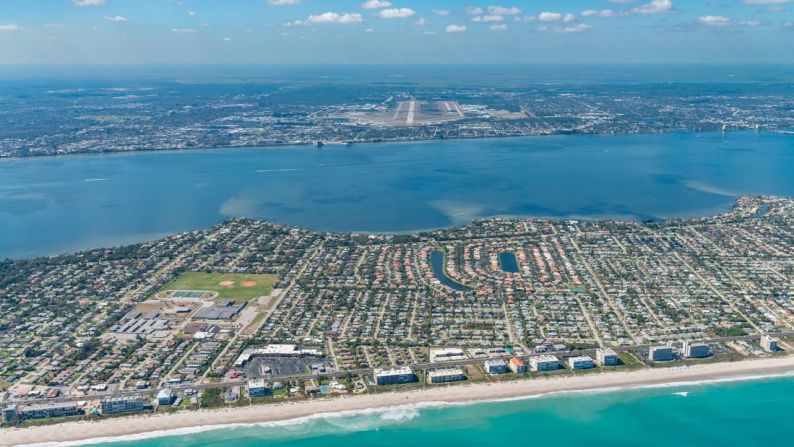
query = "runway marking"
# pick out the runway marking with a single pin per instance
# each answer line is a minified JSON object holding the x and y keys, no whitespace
{"x":411,"y":109}
{"x":399,"y":108}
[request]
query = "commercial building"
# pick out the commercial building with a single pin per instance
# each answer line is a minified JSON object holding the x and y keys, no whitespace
{"x":661,"y":353}
{"x":696,"y":350}
{"x":123,"y":404}
{"x":446,"y":354}
{"x":581,"y":362}
{"x":258,"y":388}
{"x":544,"y":363}
{"x":392,"y":376}
{"x":607,"y":357}
{"x":769,"y":343}
{"x":495,"y":366}
{"x":517,"y":365}
{"x":445,"y":375}
{"x":276,"y":350}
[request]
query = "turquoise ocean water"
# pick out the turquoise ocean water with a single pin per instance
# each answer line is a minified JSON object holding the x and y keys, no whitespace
{"x":747,"y":413}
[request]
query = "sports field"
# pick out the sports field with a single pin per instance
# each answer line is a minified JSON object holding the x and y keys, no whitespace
{"x":228,"y":285}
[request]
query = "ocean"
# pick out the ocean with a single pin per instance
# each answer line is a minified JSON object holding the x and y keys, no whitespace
{"x":59,"y":204}
{"x":726,"y":413}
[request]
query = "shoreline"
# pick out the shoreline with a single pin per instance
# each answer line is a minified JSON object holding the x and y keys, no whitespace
{"x":161,"y":425}
{"x":309,"y":145}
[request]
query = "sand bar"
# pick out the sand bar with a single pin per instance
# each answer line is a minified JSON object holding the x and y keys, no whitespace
{"x":137,"y":425}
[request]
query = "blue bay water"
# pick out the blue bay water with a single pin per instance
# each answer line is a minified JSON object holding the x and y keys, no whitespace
{"x":757,"y":412}
{"x":58,"y":204}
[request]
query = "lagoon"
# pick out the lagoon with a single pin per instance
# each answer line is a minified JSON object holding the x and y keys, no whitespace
{"x":437,"y":258}
{"x":58,"y":204}
{"x":508,"y":262}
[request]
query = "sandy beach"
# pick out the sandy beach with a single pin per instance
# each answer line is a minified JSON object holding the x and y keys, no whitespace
{"x":77,"y":432}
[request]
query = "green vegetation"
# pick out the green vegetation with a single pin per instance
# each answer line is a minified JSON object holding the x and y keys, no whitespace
{"x":212,"y":398}
{"x":629,"y":359}
{"x":262,"y":284}
{"x":733,"y":331}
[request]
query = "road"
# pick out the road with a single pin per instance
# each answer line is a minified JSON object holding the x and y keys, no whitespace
{"x":359,"y":371}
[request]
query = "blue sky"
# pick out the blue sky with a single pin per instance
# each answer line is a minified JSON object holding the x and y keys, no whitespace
{"x":395,"y":31}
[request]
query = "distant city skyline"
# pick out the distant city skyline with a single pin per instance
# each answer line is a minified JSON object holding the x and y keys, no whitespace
{"x":394,"y":31}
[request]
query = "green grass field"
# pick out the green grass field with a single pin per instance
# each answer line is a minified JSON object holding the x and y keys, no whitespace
{"x":213,"y":281}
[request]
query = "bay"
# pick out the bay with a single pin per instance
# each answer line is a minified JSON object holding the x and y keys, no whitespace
{"x":58,"y":204}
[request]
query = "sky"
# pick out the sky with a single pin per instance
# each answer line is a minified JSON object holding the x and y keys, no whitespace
{"x":110,"y":32}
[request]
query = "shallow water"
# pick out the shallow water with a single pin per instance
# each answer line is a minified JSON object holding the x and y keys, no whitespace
{"x":754,"y":412}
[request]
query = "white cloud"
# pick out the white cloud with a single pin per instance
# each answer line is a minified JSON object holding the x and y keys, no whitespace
{"x":579,"y":27}
{"x":714,"y":20}
{"x":526,"y":19}
{"x":283,"y":2}
{"x":549,"y":16}
{"x":329,"y":17}
{"x":456,"y":29}
{"x":116,"y":19}
{"x":421,"y":21}
{"x":440,"y":12}
{"x":376,"y":4}
{"x":488,"y":19}
{"x":598,"y":13}
{"x":191,"y":13}
{"x":499,"y":27}
{"x":227,"y":39}
{"x":502,"y":11}
{"x":430,"y":33}
{"x":369,"y":30}
{"x":575,"y":28}
{"x":396,"y":13}
{"x":711,"y":20}
{"x":766,"y":2}
{"x":10,"y":27}
{"x":654,"y":7}
{"x":88,"y":2}
{"x":183,"y":30}
{"x":473,"y":10}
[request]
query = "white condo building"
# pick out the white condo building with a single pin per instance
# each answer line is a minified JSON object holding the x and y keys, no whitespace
{"x":769,"y":343}
{"x":445,"y":375}
{"x":606,"y":357}
{"x":544,"y":363}
{"x":581,"y":362}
